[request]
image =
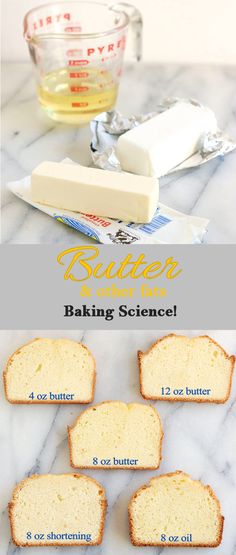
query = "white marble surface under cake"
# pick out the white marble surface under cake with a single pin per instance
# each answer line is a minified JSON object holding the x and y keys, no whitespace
{"x":198,"y":439}
{"x":29,"y":137}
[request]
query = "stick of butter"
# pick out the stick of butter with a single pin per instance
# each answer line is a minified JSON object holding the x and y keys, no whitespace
{"x":97,"y":192}
{"x":161,"y":143}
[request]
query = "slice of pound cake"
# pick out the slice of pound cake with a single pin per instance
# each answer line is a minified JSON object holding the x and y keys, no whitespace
{"x":65,"y":509}
{"x":178,"y":368}
{"x":50,"y":371}
{"x":174,"y":510}
{"x":114,"y":434}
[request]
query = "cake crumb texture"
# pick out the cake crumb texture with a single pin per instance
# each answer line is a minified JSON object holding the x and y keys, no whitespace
{"x":175,"y":510}
{"x":65,"y":506}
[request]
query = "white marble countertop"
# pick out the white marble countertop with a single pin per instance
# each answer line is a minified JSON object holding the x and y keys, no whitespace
{"x":29,"y":137}
{"x":198,"y":439}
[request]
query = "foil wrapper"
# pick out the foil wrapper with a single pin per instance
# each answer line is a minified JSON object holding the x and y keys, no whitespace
{"x":108,"y":126}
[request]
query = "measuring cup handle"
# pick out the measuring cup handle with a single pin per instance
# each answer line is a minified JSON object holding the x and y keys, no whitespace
{"x":136,"y":24}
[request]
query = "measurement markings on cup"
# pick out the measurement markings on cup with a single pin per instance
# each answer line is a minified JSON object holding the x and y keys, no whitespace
{"x":73,"y":29}
{"x":73,"y":63}
{"x":78,"y":74}
{"x":78,"y":88}
{"x":79,"y":104}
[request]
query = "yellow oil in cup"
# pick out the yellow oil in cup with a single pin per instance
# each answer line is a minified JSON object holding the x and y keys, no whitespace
{"x":77,"y":49}
{"x":76,"y":97}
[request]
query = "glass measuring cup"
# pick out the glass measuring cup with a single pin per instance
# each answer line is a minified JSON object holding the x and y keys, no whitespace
{"x":77,"y":49}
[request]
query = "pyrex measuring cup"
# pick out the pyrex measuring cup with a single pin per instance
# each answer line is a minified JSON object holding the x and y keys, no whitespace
{"x":77,"y":49}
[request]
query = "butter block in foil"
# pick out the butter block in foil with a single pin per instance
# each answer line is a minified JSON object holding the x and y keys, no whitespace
{"x":205,"y":143}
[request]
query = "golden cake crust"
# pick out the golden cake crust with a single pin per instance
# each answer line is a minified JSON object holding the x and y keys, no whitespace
{"x":49,"y":402}
{"x":31,"y":544}
{"x":184,"y":544}
{"x":112,"y":467}
{"x":140,"y":355}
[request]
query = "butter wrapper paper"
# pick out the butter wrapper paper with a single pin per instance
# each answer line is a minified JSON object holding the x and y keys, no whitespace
{"x":168,"y":226}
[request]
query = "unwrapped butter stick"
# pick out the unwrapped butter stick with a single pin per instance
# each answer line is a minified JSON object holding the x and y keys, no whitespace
{"x":96,"y":192}
{"x":158,"y":145}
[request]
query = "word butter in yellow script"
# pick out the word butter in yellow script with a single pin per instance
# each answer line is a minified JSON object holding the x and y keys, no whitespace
{"x":82,"y":263}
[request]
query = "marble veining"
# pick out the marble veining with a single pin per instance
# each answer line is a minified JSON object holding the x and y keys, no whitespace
{"x":199,"y":439}
{"x":30,"y":137}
